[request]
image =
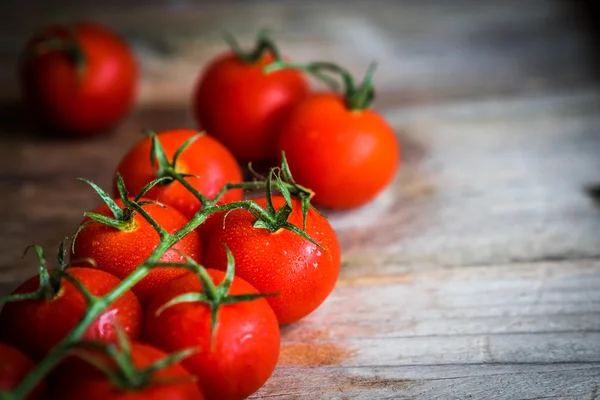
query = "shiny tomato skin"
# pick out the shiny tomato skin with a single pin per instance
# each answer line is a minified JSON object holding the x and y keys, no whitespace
{"x":36,"y":326}
{"x":79,"y":105}
{"x":14,"y":366}
{"x":205,"y":157}
{"x":242,"y":106}
{"x":346,"y":157}
{"x":77,"y":381}
{"x":282,"y":262}
{"x":120,"y":252}
{"x":246,"y":343}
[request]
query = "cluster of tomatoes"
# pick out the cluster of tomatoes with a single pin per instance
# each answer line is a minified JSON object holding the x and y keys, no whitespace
{"x":176,"y":286}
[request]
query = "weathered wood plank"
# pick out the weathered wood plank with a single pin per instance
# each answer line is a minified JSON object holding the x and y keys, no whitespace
{"x":482,"y":382}
{"x":543,"y":312}
{"x":495,"y":300}
{"x":504,"y":332}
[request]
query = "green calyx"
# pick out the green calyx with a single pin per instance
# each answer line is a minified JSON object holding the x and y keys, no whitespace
{"x":212,"y":295}
{"x":357,"y":97}
{"x":166,"y":171}
{"x":120,"y":368}
{"x":163,"y":168}
{"x":264,"y":45}
{"x":69,"y":46}
{"x":273,"y":220}
{"x":50,"y":282}
{"x":122,"y":219}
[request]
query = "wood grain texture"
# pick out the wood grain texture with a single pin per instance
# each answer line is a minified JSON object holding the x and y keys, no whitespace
{"x":476,"y":275}
{"x":428,"y":51}
{"x":518,"y":331}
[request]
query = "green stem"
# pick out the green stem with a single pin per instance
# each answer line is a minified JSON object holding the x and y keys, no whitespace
{"x":264,"y":45}
{"x":170,"y":172}
{"x":357,"y":97}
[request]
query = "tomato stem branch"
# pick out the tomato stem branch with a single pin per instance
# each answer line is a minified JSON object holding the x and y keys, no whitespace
{"x":357,"y":97}
{"x":263,"y":46}
{"x":97,"y":305}
{"x":170,"y":172}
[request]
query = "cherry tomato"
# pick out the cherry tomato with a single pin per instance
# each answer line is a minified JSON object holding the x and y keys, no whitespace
{"x":282,"y":262}
{"x":78,"y":80}
{"x":36,"y":326}
{"x":14,"y":366}
{"x":345,"y":157}
{"x":169,"y":383}
{"x":120,"y":252}
{"x":242,"y":106}
{"x":205,"y":157}
{"x":245,"y":348}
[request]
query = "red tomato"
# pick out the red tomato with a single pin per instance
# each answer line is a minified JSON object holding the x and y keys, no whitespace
{"x":89,"y":383}
{"x":242,"y":106}
{"x":205,"y":157}
{"x":121,"y":252}
{"x":81,"y":100}
{"x":14,"y":366}
{"x":38,"y":325}
{"x":280,"y":262}
{"x":245,"y":347}
{"x":345,"y":157}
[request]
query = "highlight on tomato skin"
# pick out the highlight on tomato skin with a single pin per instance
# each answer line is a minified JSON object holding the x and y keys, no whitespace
{"x":211,"y":163}
{"x":234,"y":361}
{"x":302,"y":274}
{"x":36,"y":326}
{"x":14,"y":366}
{"x":78,"y":80}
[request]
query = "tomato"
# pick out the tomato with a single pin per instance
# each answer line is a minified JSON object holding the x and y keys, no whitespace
{"x":205,"y":157}
{"x":14,"y":366}
{"x":78,"y":80}
{"x":245,"y":348}
{"x":36,"y":326}
{"x":242,"y":106}
{"x":169,"y":383}
{"x":119,"y":252}
{"x":301,"y":273}
{"x":346,"y":157}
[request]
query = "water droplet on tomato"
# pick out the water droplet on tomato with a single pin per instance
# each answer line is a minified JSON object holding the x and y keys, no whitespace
{"x":96,"y":243}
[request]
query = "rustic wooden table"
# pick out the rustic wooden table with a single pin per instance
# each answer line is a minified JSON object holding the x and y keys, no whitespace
{"x":475,"y":276}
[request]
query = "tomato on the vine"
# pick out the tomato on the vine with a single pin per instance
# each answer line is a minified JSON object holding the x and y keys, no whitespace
{"x":37,"y":325}
{"x":172,"y":382}
{"x":79,"y":79}
{"x":206,"y":158}
{"x":237,"y":354}
{"x":14,"y":366}
{"x":346,"y":157}
{"x":242,"y":106}
{"x":282,"y":262}
{"x":121,"y":251}
{"x":337,"y":146}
